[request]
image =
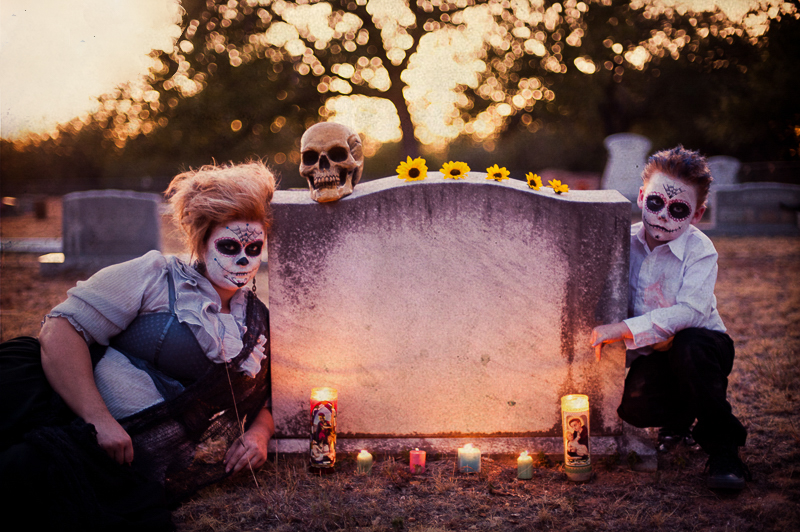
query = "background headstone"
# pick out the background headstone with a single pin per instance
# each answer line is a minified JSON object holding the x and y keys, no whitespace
{"x":724,"y":169}
{"x":103,"y":227}
{"x":627,"y":156}
{"x":446,"y":309}
{"x":755,"y":209}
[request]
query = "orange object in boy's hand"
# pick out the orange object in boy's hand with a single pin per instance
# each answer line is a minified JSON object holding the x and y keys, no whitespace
{"x":606,"y":334}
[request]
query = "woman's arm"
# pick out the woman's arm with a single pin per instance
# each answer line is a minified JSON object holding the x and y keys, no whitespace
{"x":67,"y":365}
{"x":251,"y":448}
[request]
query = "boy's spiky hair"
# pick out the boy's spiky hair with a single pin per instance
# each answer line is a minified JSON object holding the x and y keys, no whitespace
{"x":683,"y":164}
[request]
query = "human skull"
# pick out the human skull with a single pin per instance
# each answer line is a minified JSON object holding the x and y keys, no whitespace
{"x":331,"y":160}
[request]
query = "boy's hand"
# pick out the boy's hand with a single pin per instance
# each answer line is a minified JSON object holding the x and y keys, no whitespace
{"x":606,"y":334}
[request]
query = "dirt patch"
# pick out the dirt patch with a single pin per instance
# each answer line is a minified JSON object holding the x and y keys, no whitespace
{"x":758,"y":293}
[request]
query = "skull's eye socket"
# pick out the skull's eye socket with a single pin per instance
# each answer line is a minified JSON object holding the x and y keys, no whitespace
{"x":228,"y":246}
{"x":338,"y":154}
{"x":310,"y":157}
{"x":254,"y":249}
{"x":654,"y":203}
{"x":679,"y":210}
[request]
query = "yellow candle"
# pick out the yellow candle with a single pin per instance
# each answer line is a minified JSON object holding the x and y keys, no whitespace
{"x":364,"y":460}
{"x":469,"y":459}
{"x":525,"y":466}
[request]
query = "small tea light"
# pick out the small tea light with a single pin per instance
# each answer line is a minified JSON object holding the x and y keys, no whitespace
{"x":416,"y":459}
{"x":469,"y":459}
{"x":525,"y":466}
{"x":364,"y":460}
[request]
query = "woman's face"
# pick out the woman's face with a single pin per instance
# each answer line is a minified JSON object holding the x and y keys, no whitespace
{"x":233,"y":253}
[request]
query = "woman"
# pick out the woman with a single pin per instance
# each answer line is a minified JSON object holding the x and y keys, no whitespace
{"x":164,"y":361}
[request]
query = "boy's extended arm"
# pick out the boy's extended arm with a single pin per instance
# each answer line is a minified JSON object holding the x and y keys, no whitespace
{"x":606,"y":334}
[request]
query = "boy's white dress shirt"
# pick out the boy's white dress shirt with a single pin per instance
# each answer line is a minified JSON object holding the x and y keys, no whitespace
{"x":671,"y":288}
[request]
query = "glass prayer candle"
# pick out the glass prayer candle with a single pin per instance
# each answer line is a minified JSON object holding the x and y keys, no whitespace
{"x":324,"y":403}
{"x":577,"y":447}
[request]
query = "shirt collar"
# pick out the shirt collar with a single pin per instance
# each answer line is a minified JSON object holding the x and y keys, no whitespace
{"x":677,"y":246}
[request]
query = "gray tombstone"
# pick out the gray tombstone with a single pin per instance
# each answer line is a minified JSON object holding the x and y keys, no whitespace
{"x":627,"y":156}
{"x":103,"y":227}
{"x":443,"y":310}
{"x":755,"y":209}
{"x":724,"y":169}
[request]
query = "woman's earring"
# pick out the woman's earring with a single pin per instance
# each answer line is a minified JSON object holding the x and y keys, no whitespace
{"x":254,"y":285}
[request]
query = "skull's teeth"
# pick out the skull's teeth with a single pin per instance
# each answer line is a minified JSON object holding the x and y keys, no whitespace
{"x":326,"y":181}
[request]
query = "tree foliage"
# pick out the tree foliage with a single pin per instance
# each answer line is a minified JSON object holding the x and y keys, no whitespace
{"x":541,"y":81}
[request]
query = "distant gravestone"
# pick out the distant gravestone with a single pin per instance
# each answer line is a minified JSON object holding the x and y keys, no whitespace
{"x":103,"y":227}
{"x":627,"y":156}
{"x":445,"y":311}
{"x":724,"y":169}
{"x":755,"y":209}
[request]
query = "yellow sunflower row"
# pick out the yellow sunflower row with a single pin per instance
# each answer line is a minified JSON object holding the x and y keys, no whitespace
{"x":417,"y":170}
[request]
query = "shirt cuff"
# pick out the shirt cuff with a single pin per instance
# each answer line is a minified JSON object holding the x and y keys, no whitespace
{"x":643,"y":333}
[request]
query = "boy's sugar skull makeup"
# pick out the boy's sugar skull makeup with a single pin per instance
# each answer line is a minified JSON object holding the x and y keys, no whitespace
{"x":233,"y":253}
{"x":668,"y":207}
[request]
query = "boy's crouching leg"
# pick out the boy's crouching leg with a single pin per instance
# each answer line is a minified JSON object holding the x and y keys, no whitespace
{"x":702,"y":360}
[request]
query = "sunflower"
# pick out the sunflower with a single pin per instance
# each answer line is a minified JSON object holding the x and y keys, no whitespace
{"x":455,"y":170}
{"x":534,"y":181}
{"x":412,"y":170}
{"x":497,"y":173}
{"x":557,"y":186}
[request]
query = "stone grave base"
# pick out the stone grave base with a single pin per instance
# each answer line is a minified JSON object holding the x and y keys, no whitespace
{"x":634,"y":440}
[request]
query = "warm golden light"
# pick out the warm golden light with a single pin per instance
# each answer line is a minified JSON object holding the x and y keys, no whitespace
{"x":321,"y":394}
{"x":574,"y":403}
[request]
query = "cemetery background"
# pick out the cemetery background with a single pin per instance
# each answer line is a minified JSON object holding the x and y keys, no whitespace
{"x":669,"y":99}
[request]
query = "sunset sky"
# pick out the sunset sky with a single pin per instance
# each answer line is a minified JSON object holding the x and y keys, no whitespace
{"x":57,"y":57}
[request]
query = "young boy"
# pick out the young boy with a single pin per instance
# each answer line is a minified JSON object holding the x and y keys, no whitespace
{"x":681,"y":356}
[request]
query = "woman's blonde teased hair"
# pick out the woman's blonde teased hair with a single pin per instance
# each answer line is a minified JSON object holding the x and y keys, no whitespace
{"x":217,"y":194}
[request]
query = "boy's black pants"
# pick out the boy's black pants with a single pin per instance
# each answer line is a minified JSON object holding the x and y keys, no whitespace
{"x":689,"y":381}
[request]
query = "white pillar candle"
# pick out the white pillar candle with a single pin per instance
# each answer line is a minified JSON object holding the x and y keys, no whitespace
{"x":525,"y":466}
{"x":469,"y":459}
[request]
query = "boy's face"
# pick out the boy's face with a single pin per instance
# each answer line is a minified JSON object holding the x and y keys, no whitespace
{"x":669,"y":207}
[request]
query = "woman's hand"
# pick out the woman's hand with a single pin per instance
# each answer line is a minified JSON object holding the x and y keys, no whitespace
{"x":606,"y":334}
{"x":113,"y":439}
{"x":251,"y":447}
{"x":68,"y":367}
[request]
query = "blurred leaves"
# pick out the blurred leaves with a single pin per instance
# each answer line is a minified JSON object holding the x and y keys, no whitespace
{"x":534,"y":84}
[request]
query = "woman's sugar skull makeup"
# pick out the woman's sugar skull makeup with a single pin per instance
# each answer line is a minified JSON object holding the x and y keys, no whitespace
{"x":233,"y":253}
{"x":668,"y":207}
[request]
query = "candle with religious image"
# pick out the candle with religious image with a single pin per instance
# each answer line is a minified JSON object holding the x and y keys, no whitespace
{"x":324,"y":406}
{"x":577,"y":447}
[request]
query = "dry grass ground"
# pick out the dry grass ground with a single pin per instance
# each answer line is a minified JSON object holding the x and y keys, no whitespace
{"x":759,"y":297}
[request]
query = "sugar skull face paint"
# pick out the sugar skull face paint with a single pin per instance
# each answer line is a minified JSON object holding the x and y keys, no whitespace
{"x":668,"y":208}
{"x":233,"y":253}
